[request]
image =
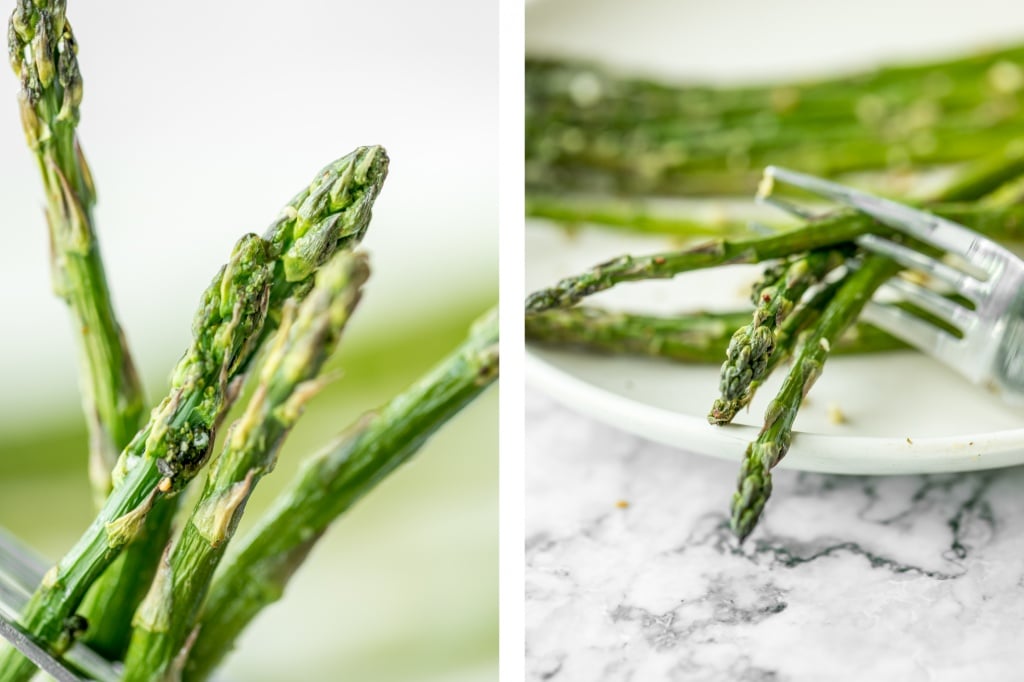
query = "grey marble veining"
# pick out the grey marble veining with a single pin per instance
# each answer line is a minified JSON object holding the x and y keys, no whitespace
{"x":632,"y":573}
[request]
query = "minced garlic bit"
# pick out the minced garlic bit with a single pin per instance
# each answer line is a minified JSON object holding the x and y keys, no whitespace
{"x":835,"y":415}
{"x":825,"y":345}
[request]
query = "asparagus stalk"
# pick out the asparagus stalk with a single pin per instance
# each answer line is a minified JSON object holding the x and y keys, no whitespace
{"x":751,"y":347}
{"x":589,"y":89}
{"x":307,"y":336}
{"x":980,"y":178}
{"x":696,"y":337}
{"x":43,"y":53}
{"x":999,"y":216}
{"x":632,"y":215}
{"x":988,"y":174}
{"x":332,"y":213}
{"x":613,"y":166}
{"x":691,"y":338}
{"x":749,"y":249}
{"x":587,"y":129}
{"x":1000,"y":222}
{"x":764,"y":453}
{"x":167,"y":453}
{"x":329,"y":484}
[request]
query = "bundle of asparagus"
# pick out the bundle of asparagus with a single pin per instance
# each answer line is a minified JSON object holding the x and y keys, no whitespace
{"x":171,"y":607}
{"x":807,"y":303}
{"x":590,"y":129}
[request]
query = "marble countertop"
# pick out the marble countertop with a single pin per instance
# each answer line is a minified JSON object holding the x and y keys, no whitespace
{"x":632,"y":573}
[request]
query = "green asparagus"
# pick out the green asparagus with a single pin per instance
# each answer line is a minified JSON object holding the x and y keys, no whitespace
{"x":724,"y":251}
{"x":751,"y":347}
{"x":634,"y":216}
{"x":590,"y":130}
{"x":764,"y":453}
{"x":329,"y":484}
{"x":975,"y":181}
{"x":43,"y":53}
{"x":688,"y":338}
{"x":1000,"y":215}
{"x":332,"y":213}
{"x":164,"y":456}
{"x":306,"y":337}
{"x":1005,"y":223}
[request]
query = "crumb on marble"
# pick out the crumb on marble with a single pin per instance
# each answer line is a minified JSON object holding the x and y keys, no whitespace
{"x":622,"y":504}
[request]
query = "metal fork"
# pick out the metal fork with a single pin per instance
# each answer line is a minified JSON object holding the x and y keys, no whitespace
{"x":990,"y":351}
{"x":20,"y":571}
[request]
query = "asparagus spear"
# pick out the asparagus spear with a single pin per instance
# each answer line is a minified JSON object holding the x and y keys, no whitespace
{"x":614,"y":166}
{"x":980,"y":178}
{"x":591,"y":90}
{"x":694,"y":337}
{"x":329,"y":484}
{"x":43,"y":53}
{"x":307,"y":336}
{"x":988,"y":174}
{"x":631,"y":215}
{"x":163,"y":457}
{"x":697,"y":337}
{"x":751,"y":347}
{"x":999,"y":216}
{"x":750,"y":249}
{"x":1001,"y":222}
{"x":332,"y":213}
{"x":772,"y":443}
{"x":587,"y":129}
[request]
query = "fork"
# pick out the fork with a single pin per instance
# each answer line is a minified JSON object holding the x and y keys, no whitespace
{"x":20,"y":571}
{"x":990,"y":348}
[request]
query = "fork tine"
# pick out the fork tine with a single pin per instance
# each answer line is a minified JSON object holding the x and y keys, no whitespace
{"x":915,"y":260}
{"x":910,"y":328}
{"x":939,"y":232}
{"x":943,"y":308}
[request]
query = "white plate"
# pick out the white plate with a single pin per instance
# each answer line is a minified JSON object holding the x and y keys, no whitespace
{"x":904,"y":412}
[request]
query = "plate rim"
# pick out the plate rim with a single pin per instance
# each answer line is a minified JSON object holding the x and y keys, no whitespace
{"x":822,"y":453}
